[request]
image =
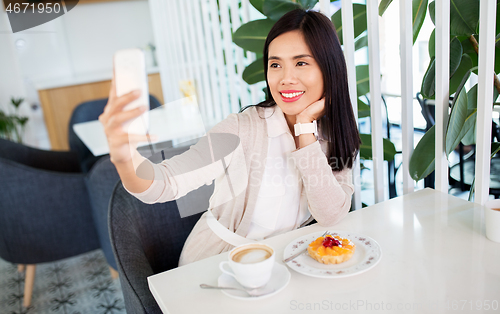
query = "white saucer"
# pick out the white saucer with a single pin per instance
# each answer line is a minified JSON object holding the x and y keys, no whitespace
{"x":279,"y":280}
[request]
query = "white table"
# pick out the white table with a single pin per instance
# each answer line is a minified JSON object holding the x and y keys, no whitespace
{"x":436,"y":259}
{"x":172,"y":121}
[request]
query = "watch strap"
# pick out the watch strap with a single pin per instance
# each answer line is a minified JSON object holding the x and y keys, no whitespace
{"x":306,"y":128}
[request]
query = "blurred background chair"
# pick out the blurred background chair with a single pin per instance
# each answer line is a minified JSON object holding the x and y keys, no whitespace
{"x":45,"y":209}
{"x":89,"y":111}
{"x":100,"y":182}
{"x":148,"y":239}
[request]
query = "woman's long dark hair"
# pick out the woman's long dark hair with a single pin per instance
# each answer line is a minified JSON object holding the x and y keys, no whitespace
{"x":338,"y":125}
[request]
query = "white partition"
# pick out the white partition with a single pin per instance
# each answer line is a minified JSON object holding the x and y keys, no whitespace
{"x":348,"y":36}
{"x":375,"y":99}
{"x":485,"y":99}
{"x":442,"y":91}
{"x":406,"y":42}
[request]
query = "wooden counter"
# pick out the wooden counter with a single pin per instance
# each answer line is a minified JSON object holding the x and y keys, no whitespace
{"x":58,"y":104}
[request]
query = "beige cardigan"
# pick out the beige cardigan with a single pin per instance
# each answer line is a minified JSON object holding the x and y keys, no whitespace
{"x":233,"y":201}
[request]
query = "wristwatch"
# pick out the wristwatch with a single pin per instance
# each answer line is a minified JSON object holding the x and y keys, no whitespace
{"x":306,"y":128}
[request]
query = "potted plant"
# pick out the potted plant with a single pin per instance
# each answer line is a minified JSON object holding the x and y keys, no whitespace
{"x":12,"y":125}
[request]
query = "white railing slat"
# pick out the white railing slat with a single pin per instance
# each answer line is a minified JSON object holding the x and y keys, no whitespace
{"x":348,"y":35}
{"x":485,"y":99}
{"x":254,"y":93}
{"x":177,"y":52}
{"x":202,"y":55}
{"x":375,"y":99}
{"x":240,"y":67}
{"x":162,"y":46}
{"x":442,"y":91}
{"x":221,"y":69}
{"x":194,"y":57}
{"x":185,"y":41}
{"x":324,"y":7}
{"x":209,"y":43}
{"x":406,"y":40}
{"x":228,"y":52}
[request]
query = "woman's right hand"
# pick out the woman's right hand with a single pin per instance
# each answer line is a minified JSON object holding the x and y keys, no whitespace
{"x":122,"y":146}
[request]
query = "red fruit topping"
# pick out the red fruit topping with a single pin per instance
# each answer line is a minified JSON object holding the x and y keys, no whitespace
{"x":330,"y":241}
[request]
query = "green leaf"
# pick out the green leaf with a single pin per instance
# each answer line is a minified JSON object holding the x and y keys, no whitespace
{"x":361,"y":42}
{"x":432,"y":44}
{"x":308,"y":4}
{"x":461,"y":72}
{"x":497,"y":58}
{"x":363,"y":109}
{"x":258,"y":5}
{"x":252,"y":35}
{"x":254,"y":73}
{"x":422,"y":159}
{"x":362,"y":79}
{"x":459,"y":123}
{"x":275,"y":9}
{"x":470,"y":137}
{"x":359,"y":16}
{"x":419,"y":12}
{"x":428,"y":82}
{"x":384,"y":4}
{"x":365,"y":150}
{"x":464,"y":17}
{"x":432,"y":11}
{"x":495,"y":148}
{"x":469,"y":50}
{"x":497,"y":27}
{"x":456,"y":52}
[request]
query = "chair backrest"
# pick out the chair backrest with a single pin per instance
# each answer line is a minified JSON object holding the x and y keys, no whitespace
{"x":89,"y":111}
{"x":38,"y":158}
{"x":45,"y":213}
{"x":100,"y":182}
{"x":146,"y":239}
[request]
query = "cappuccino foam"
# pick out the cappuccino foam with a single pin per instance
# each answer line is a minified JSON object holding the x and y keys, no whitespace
{"x":251,"y":255}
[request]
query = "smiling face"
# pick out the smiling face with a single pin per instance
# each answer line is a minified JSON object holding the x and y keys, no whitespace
{"x":294,"y":76}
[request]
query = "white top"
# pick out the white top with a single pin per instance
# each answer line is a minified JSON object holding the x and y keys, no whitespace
{"x":280,"y":204}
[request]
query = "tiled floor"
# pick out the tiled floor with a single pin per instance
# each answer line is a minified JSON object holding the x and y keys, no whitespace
{"x":77,"y":285}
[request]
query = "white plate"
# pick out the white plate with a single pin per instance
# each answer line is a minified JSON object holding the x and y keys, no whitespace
{"x":279,"y":280}
{"x":366,"y":256}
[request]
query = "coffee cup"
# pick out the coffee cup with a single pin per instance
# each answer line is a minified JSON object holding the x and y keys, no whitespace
{"x":250,"y":264}
{"x":492,"y":220}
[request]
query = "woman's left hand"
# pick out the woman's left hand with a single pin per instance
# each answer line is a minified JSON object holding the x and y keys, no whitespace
{"x":312,"y":112}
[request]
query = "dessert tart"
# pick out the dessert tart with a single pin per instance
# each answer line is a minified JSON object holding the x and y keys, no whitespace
{"x":331,"y":249}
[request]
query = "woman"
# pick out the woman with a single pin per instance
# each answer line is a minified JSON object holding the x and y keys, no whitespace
{"x":277,"y":178}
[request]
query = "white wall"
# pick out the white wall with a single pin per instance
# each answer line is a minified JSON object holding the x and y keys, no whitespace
{"x":78,"y":43}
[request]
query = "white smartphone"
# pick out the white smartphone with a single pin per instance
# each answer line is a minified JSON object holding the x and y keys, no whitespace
{"x":130,"y":74}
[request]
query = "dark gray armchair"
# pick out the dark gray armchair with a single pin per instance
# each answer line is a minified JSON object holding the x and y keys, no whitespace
{"x":44,"y":208}
{"x":100,"y":182}
{"x":146,"y":240}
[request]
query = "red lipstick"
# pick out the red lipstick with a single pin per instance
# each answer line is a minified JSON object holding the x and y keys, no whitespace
{"x":287,"y":99}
